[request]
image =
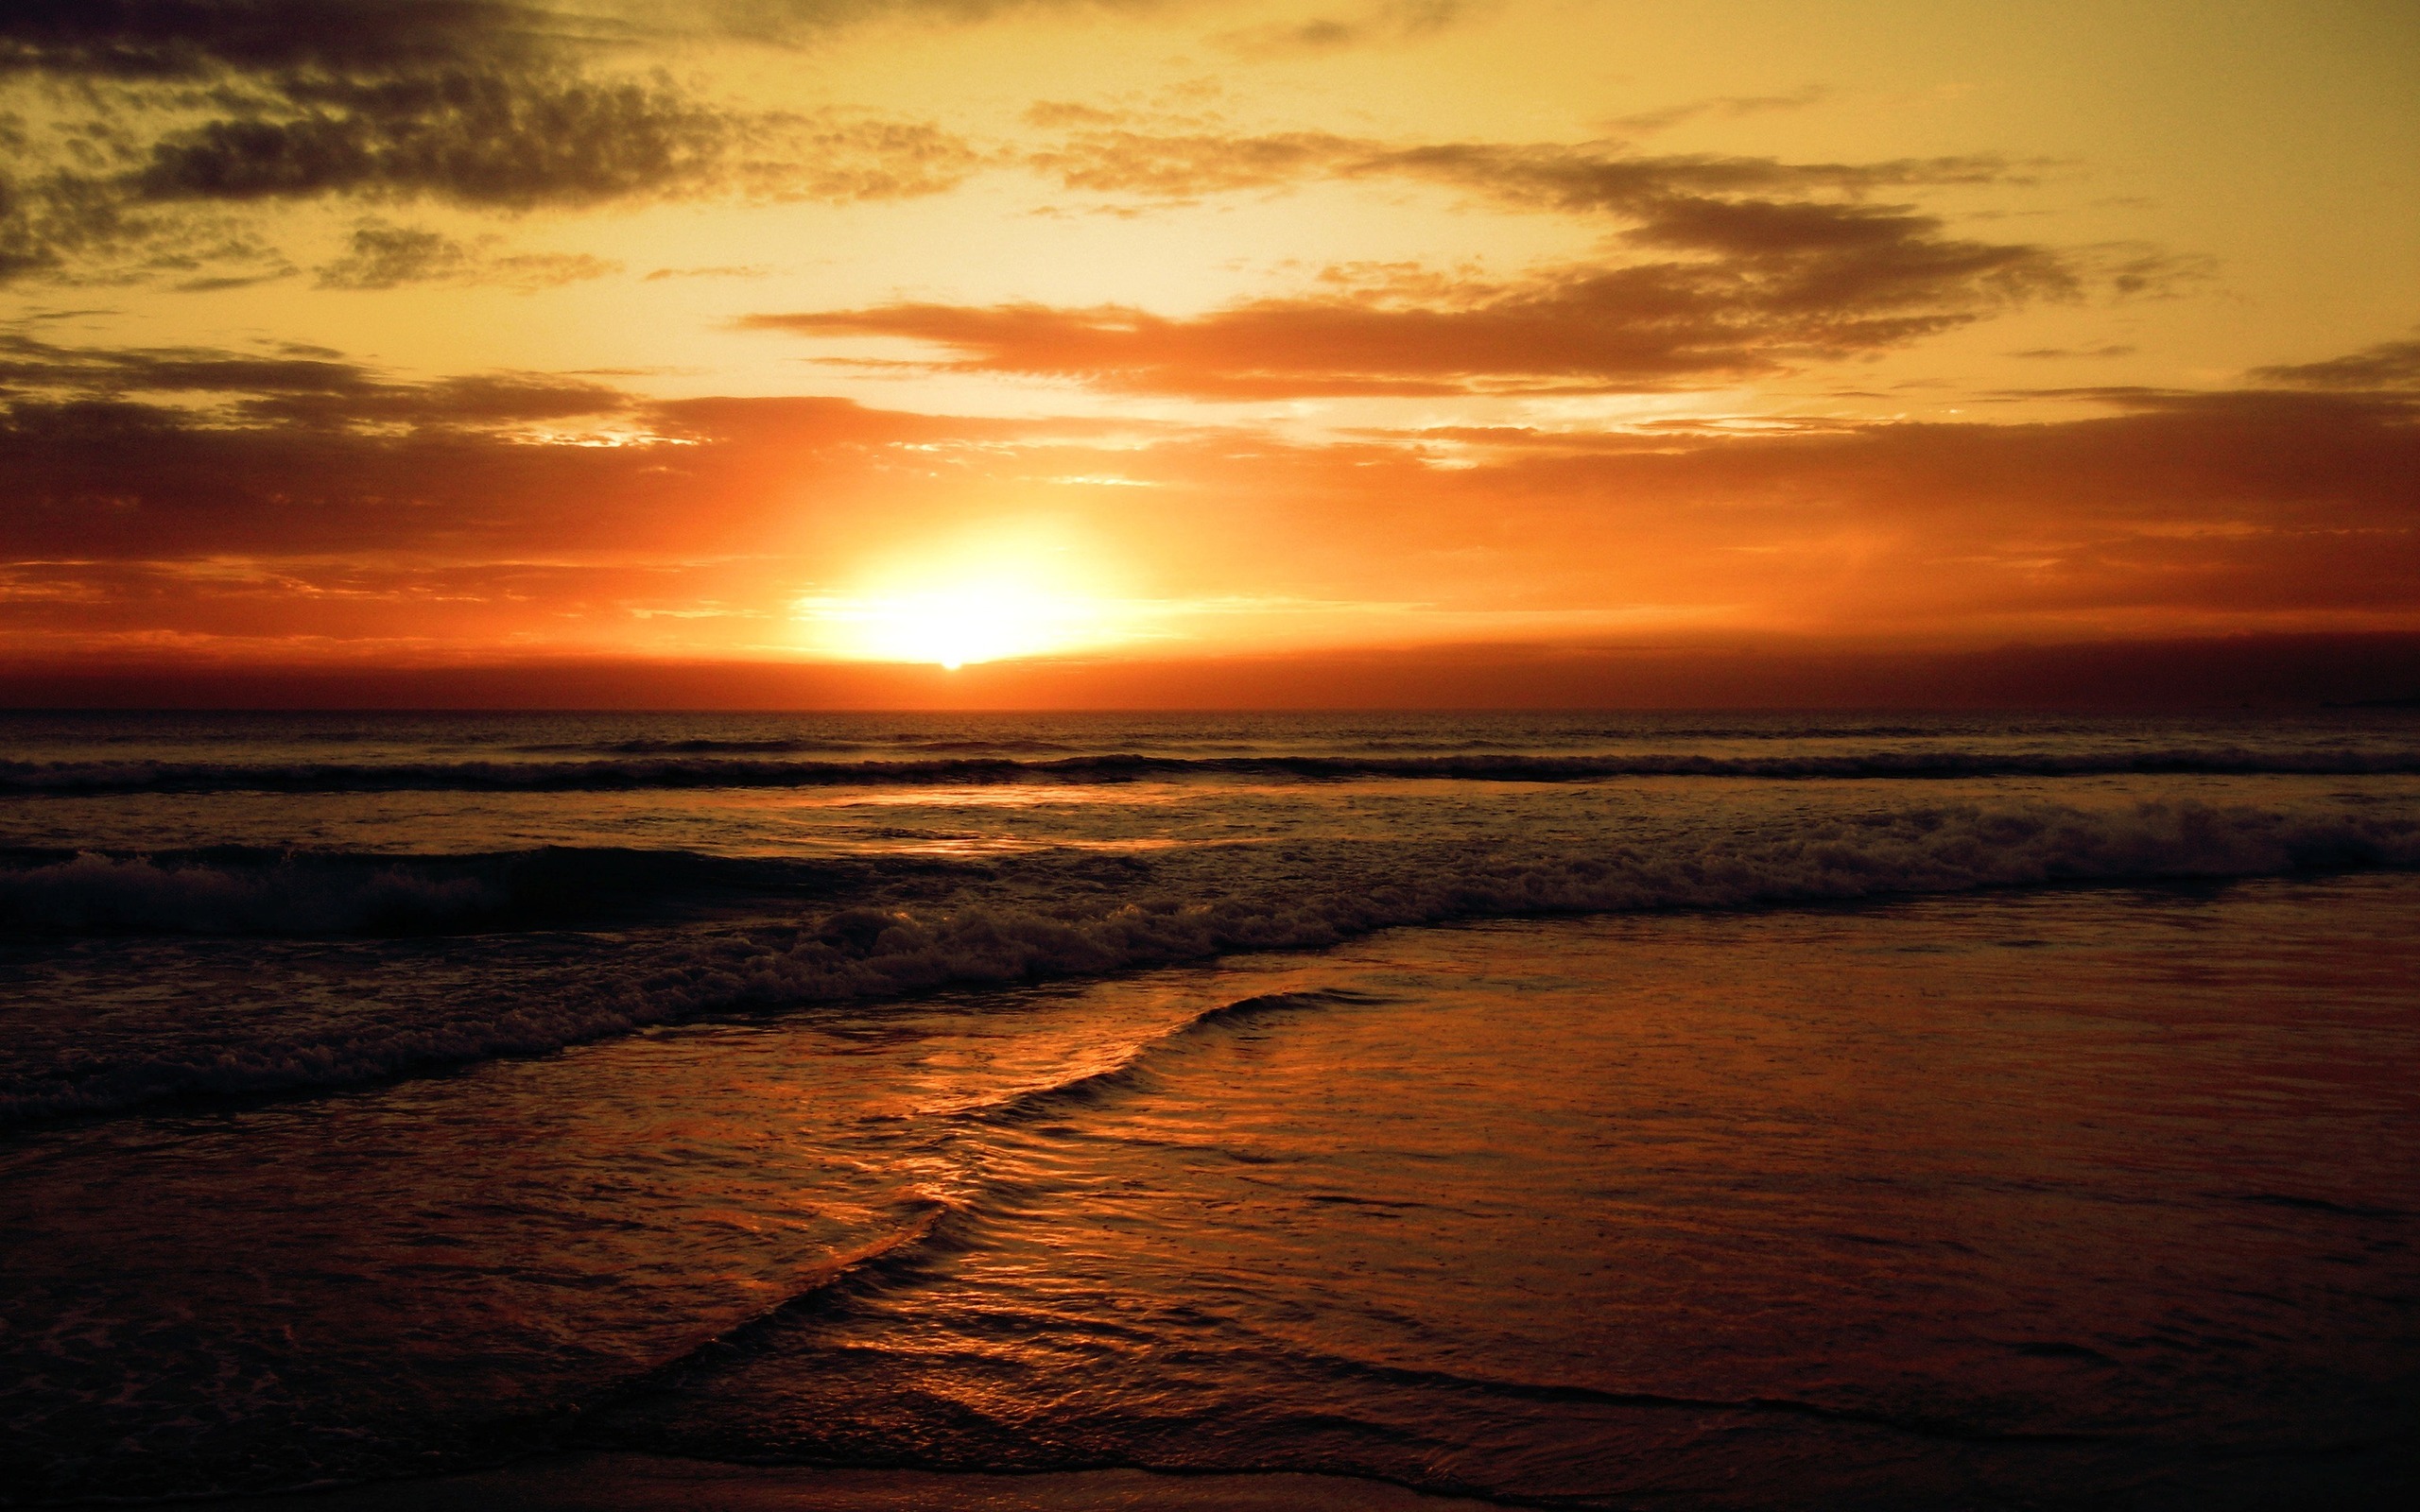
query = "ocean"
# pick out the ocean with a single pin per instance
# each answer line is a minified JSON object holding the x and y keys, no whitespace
{"x":1691,"y":1110}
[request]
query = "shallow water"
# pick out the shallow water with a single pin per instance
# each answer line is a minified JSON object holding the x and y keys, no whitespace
{"x":1845,"y":1184}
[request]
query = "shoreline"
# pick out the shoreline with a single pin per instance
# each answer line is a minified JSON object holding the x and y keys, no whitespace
{"x":614,"y":1481}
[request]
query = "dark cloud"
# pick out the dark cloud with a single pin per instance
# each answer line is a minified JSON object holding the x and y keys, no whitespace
{"x":1394,"y":21}
{"x":382,"y":256}
{"x":1114,"y":156}
{"x":116,"y":479}
{"x":2054,"y":353}
{"x":732,"y":270}
{"x":482,"y":142}
{"x":475,"y":102}
{"x":328,"y":515}
{"x":146,"y":40}
{"x":511,"y":141}
{"x":1721,"y":108}
{"x":29,"y":365}
{"x":2387,"y":364}
{"x":2228,"y":502}
{"x":794,"y":22}
{"x":516,"y":141}
{"x":1740,"y":266}
{"x":530,"y":271}
{"x":2239,"y":508}
{"x":64,"y":392}
{"x":465,"y":404}
{"x":151,"y":39}
{"x":1776,"y":285}
{"x":193,"y":455}
{"x":1579,"y":179}
{"x":509,"y":107}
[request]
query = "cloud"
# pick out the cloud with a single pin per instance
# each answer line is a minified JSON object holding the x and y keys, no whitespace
{"x":2387,"y":364}
{"x":1392,"y":22}
{"x":143,"y":40}
{"x":197,"y":453}
{"x":2216,"y":508}
{"x":1117,"y":160}
{"x":1721,"y":108}
{"x":382,"y":256}
{"x":508,"y":108}
{"x":63,"y":392}
{"x":792,"y":23}
{"x":1736,"y":266}
{"x":509,"y":141}
{"x":480,"y":143}
{"x":2171,"y":513}
{"x":2057,"y":353}
{"x":1765,"y":286}
{"x":151,"y":39}
{"x":480,"y":104}
{"x":1115,"y":155}
{"x":732,"y":270}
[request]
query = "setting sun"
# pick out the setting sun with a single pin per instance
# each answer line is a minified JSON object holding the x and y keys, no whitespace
{"x":989,"y":616}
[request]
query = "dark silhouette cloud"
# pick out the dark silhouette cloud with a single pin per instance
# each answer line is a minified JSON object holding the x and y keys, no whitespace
{"x":511,"y":141}
{"x":188,"y":454}
{"x":1392,"y":21}
{"x":146,"y":40}
{"x":2255,"y":509}
{"x":2113,"y":349}
{"x":2387,"y":364}
{"x":478,"y":103}
{"x":61,"y":392}
{"x":1117,"y":160}
{"x":1739,"y":266}
{"x":795,"y":22}
{"x":384,"y":256}
{"x":1772,"y":285}
{"x":150,"y":39}
{"x":28,"y":365}
{"x":1107,"y":153}
{"x":1721,"y":108}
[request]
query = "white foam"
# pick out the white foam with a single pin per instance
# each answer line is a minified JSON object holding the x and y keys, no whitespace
{"x":866,"y":954}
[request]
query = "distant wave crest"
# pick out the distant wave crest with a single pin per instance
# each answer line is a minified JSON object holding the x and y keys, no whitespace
{"x":859,"y":953}
{"x":694,"y":770}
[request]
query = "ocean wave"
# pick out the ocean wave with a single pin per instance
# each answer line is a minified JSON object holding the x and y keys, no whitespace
{"x":696,"y":771}
{"x":867,"y":952}
{"x":245,"y":890}
{"x":1094,"y":1083}
{"x":104,"y":894}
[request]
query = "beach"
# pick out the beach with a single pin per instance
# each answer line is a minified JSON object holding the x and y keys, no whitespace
{"x":1704,"y":1112}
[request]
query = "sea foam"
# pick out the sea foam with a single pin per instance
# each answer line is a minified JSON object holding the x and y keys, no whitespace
{"x":869,"y":953}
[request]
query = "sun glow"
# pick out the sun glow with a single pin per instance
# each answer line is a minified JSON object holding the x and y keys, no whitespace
{"x":989,"y":613}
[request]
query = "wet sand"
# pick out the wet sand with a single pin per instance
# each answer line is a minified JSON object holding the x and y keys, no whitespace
{"x":643,"y":1482}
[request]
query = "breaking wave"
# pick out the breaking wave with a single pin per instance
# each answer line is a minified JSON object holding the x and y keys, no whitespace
{"x":245,"y":890}
{"x":869,"y":953}
{"x":675,"y":771}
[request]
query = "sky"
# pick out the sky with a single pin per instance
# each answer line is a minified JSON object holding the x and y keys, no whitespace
{"x":1119,"y":352}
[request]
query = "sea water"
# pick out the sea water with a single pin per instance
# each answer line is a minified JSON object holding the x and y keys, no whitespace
{"x":1708,"y":1111}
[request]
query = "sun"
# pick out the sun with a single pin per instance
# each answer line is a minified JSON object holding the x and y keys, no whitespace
{"x":971,"y":621}
{"x":976,"y":614}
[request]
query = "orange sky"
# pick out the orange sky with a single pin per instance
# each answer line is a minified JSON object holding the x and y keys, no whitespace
{"x":1077,"y":342}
